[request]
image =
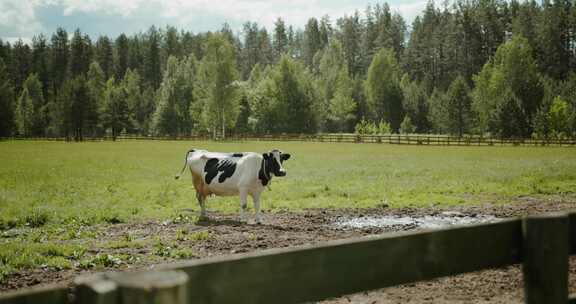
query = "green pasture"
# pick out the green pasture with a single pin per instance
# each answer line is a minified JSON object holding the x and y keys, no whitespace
{"x":56,"y":197}
{"x":56,"y":182}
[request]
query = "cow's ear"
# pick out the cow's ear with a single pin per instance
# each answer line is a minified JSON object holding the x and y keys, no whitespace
{"x":285,"y":156}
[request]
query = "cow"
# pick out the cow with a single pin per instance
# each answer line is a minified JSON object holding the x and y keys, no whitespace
{"x":227,"y":174}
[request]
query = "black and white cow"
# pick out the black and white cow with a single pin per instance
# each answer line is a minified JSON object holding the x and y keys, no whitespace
{"x":225,"y":174}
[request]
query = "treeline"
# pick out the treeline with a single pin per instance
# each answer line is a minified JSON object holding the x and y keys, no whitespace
{"x":490,"y":67}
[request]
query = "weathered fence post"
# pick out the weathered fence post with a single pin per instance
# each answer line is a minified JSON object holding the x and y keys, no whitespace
{"x":95,"y":289}
{"x":153,"y":287}
{"x":545,"y":256}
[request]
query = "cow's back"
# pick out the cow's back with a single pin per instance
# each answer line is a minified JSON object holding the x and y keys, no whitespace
{"x":224,"y":173}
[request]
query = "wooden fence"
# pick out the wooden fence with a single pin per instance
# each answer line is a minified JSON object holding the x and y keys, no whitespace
{"x":411,"y":139}
{"x":315,"y":272}
{"x":398,"y":139}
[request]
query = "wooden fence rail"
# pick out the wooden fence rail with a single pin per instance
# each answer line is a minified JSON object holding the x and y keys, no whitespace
{"x":315,"y":272}
{"x":398,"y":139}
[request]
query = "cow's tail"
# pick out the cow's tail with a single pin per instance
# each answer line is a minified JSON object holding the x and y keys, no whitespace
{"x":185,"y":164}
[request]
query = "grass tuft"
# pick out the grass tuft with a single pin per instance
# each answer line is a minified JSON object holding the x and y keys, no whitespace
{"x":37,"y":218}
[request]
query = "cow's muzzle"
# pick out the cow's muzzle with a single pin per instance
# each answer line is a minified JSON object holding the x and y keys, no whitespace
{"x":281,"y":173}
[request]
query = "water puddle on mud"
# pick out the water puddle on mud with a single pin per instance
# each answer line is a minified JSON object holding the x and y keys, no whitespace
{"x":441,"y":220}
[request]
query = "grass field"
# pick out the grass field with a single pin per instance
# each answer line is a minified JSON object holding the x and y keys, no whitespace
{"x":54,"y":190}
{"x":53,"y":182}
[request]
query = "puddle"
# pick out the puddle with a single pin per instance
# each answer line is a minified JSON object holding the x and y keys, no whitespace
{"x":441,"y":220}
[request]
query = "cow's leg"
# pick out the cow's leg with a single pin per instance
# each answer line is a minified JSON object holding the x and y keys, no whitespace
{"x":256,"y":197}
{"x":202,"y":202}
{"x":243,"y":204}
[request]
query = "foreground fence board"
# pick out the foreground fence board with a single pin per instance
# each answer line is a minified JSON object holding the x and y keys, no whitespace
{"x":317,"y":272}
{"x":343,"y":267}
{"x":545,"y":266}
{"x":53,"y":294}
{"x":572,"y":228}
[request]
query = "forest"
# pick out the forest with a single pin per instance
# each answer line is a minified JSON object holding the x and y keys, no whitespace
{"x":487,"y":67}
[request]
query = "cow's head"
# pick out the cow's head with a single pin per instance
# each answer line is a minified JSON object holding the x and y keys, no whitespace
{"x":274,"y":160}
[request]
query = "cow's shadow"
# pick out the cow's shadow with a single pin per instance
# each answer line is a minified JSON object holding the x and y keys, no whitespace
{"x":209,"y":222}
{"x":214,"y":219}
{"x":212,"y":222}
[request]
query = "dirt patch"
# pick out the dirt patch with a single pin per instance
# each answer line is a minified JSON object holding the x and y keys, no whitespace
{"x":142,"y":245}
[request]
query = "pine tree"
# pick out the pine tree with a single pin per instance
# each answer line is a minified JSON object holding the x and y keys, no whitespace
{"x":135,"y":54}
{"x":265,"y":47}
{"x":388,"y":30}
{"x":171,"y":43}
{"x":415,"y":103}
{"x":59,"y":111}
{"x":250,"y":51}
{"x":152,"y":68}
{"x":31,"y":111}
{"x":286,"y":101}
{"x":458,"y":107}
{"x":122,"y":48}
{"x":280,"y":39}
{"x":335,"y":89}
{"x":383,"y":89}
{"x":173,"y":113}
{"x":312,"y":41}
{"x":185,"y":90}
{"x":82,"y":117}
{"x":138,"y":111}
{"x":560,"y":116}
{"x":508,"y":92}
{"x":438,"y":111}
{"x":6,"y":102}
{"x":350,"y":35}
{"x":80,"y":54}
{"x":342,"y":105}
{"x":553,"y":36}
{"x":96,"y":83}
{"x":406,"y":127}
{"x":325,"y":31}
{"x":21,"y":64}
{"x":40,"y":62}
{"x":140,"y":103}
{"x":217,"y":85}
{"x":5,"y":53}
{"x":60,"y":59}
{"x":115,"y":112}
{"x":525,"y":19}
{"x":105,"y":56}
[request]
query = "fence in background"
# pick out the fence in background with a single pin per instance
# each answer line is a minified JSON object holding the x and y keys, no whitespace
{"x":398,"y":139}
{"x":411,"y":139}
{"x":309,"y":273}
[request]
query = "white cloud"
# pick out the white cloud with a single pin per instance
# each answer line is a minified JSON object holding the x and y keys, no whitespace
{"x":265,"y":13}
{"x":186,"y":12}
{"x":123,"y":8}
{"x":410,"y":10}
{"x":17,"y":19}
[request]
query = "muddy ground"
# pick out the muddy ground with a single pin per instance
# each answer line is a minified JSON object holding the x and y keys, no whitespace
{"x":285,"y":229}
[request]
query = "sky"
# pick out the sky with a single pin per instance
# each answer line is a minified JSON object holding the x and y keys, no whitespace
{"x":25,"y":18}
